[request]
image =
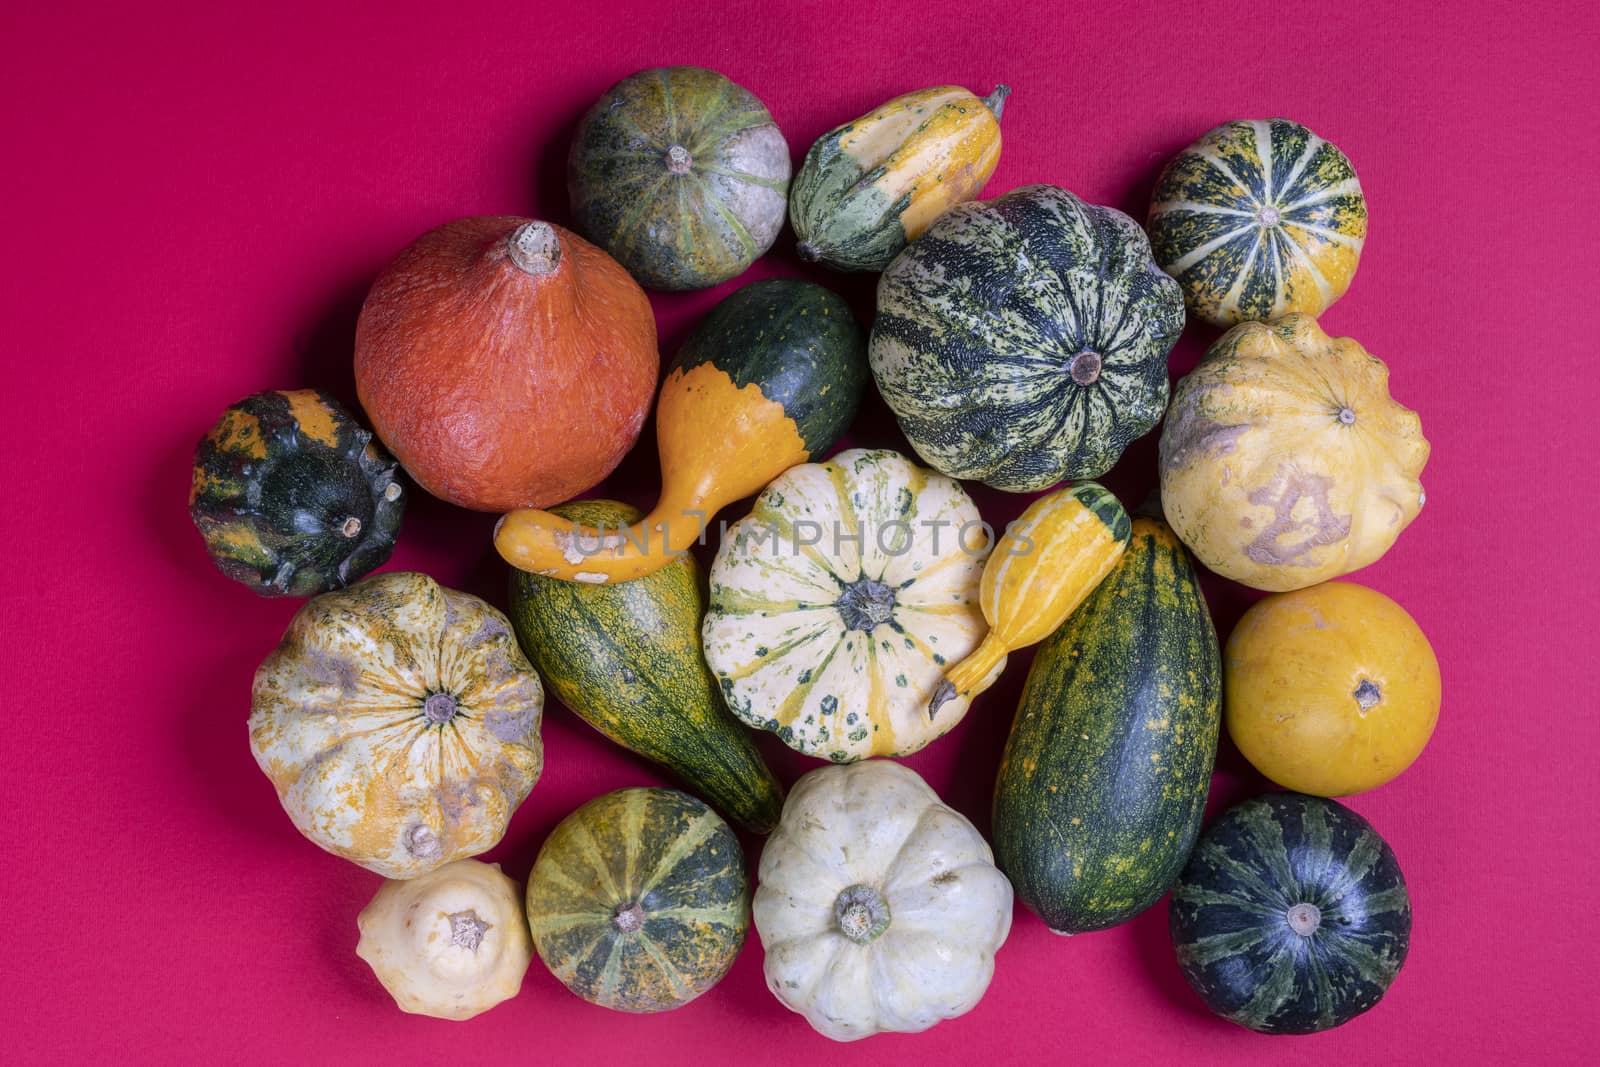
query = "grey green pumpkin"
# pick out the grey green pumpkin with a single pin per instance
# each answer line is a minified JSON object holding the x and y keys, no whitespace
{"x":639,"y":901}
{"x":293,"y":496}
{"x":1104,"y":778}
{"x":1292,"y":916}
{"x":1257,"y":220}
{"x":626,"y":658}
{"x":1024,"y":340}
{"x":681,"y":175}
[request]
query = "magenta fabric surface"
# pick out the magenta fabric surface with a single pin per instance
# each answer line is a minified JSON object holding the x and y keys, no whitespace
{"x":197,"y":197}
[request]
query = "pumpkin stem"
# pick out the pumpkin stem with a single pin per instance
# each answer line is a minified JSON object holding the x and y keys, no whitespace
{"x":996,"y":101}
{"x":1085,"y":368}
{"x":627,"y":918}
{"x":865,"y":604}
{"x":534,"y":248}
{"x":807,"y":251}
{"x":861,"y":913}
{"x":679,"y":161}
{"x":351,"y":526}
{"x":439,"y":708}
{"x":1368,"y":695}
{"x":467,"y":929}
{"x":1304,"y":919}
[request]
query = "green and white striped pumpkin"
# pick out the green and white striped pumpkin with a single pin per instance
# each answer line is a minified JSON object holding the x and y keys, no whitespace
{"x":640,"y":900}
{"x":838,"y":601}
{"x":1292,"y":916}
{"x":1024,"y":340}
{"x":1259,"y":219}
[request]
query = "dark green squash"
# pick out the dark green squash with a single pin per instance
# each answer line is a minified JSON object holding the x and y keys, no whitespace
{"x":1103,"y":783}
{"x":626,"y":658}
{"x":293,"y":496}
{"x":640,"y":900}
{"x":681,"y":175}
{"x":1292,"y":916}
{"x":1024,"y":340}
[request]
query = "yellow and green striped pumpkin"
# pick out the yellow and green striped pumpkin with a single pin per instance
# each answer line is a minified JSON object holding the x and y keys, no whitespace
{"x":1259,"y":219}
{"x":640,"y":900}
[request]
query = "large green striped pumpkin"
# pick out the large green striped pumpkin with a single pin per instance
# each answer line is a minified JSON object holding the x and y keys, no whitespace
{"x":1259,"y":219}
{"x":640,"y":900}
{"x":681,"y":175}
{"x":1292,"y":915}
{"x":1024,"y":340}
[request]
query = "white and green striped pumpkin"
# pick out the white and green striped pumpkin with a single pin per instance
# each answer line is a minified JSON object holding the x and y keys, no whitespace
{"x":1259,"y":219}
{"x":1024,"y":341}
{"x":838,"y":601}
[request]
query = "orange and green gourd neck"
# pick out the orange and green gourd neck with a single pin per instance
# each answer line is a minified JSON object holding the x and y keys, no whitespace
{"x":771,"y":378}
{"x":1048,"y":561}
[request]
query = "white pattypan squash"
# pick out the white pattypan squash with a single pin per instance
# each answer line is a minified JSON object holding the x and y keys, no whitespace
{"x":879,"y":908}
{"x":449,"y":944}
{"x":399,"y":721}
{"x":837,"y":603}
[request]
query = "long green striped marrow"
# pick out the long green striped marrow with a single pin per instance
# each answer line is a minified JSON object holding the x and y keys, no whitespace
{"x":1104,"y":778}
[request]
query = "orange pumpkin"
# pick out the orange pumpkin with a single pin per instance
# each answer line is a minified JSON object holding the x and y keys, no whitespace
{"x":506,"y":363}
{"x":1330,"y":690}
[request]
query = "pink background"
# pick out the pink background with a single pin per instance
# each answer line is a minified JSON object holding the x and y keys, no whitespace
{"x":196,"y":199}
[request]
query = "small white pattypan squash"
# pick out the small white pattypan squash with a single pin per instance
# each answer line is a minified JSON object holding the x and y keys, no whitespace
{"x":879,"y":908}
{"x":449,"y":944}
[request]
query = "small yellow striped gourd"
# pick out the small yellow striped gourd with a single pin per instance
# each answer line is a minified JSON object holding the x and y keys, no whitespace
{"x":1048,"y":561}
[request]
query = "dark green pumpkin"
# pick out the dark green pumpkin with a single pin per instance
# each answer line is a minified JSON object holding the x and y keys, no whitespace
{"x":640,"y":900}
{"x":1292,"y":916}
{"x":1103,"y":783}
{"x":626,"y":658}
{"x":1024,"y":340}
{"x":681,"y":175}
{"x":797,"y":342}
{"x":293,"y":496}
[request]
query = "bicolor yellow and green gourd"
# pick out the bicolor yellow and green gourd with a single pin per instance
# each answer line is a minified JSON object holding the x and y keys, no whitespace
{"x":870,"y":186}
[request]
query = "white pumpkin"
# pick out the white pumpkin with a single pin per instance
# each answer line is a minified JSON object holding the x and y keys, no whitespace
{"x":450,"y":944}
{"x":399,"y":721}
{"x":879,"y":908}
{"x":838,"y":601}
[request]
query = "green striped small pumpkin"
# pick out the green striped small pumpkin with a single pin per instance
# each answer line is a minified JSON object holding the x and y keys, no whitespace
{"x":681,"y":175}
{"x":640,"y":900}
{"x":1259,"y":219}
{"x":1024,"y":341}
{"x":1292,"y":916}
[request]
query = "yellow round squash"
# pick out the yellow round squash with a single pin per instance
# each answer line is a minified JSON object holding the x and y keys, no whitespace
{"x":1284,"y":461}
{"x":399,"y":721}
{"x":1330,"y":690}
